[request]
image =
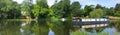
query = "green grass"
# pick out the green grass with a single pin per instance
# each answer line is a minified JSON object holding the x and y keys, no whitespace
{"x":103,"y":33}
{"x":85,"y":33}
{"x":79,"y":33}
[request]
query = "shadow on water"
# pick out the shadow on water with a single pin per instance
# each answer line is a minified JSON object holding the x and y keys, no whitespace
{"x":49,"y":27}
{"x":10,"y":28}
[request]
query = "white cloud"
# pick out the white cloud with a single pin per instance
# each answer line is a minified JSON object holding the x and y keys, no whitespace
{"x":51,"y":2}
{"x":34,"y":1}
{"x":77,"y":0}
{"x":19,"y":1}
{"x":118,"y":1}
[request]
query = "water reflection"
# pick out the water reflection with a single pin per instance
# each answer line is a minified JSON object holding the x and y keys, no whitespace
{"x":10,"y":28}
{"x":51,"y":32}
{"x":111,"y":31}
{"x":44,"y":27}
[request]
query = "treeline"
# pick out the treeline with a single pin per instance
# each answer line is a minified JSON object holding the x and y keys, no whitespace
{"x":63,"y":9}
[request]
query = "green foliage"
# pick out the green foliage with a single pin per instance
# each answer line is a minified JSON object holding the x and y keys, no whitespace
{"x":98,"y":7}
{"x":57,"y":9}
{"x":88,"y":9}
{"x":9,"y":9}
{"x":79,"y":33}
{"x":51,"y":13}
{"x":26,"y":7}
{"x":117,"y":10}
{"x":97,"y":13}
{"x":117,"y":7}
{"x":117,"y":14}
{"x":36,"y":10}
{"x":42,"y":3}
{"x":110,"y":11}
{"x":75,"y":9}
{"x":62,"y":9}
{"x":66,"y":8}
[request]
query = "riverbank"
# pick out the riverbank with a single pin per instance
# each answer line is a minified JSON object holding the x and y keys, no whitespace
{"x":19,"y":19}
{"x":113,"y":18}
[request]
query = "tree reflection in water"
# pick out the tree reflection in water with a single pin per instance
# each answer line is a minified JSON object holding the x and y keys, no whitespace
{"x":10,"y":28}
{"x":47,"y":27}
{"x":115,"y":24}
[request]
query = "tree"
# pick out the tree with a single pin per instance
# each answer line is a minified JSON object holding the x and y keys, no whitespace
{"x":44,"y":11}
{"x":117,"y":10}
{"x":36,"y":10}
{"x":98,"y":6}
{"x":61,"y":9}
{"x":5,"y":6}
{"x":9,"y":9}
{"x":27,"y":7}
{"x":66,"y":8}
{"x":110,"y":11}
{"x":57,"y":9}
{"x":42,"y":3}
{"x":97,"y":13}
{"x":88,"y":9}
{"x":15,"y":12}
{"x":75,"y":9}
{"x":117,"y":7}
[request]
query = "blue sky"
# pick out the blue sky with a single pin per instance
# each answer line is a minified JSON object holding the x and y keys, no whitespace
{"x":106,"y":3}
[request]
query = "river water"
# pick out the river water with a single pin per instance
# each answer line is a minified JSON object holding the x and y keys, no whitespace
{"x":45,"y":27}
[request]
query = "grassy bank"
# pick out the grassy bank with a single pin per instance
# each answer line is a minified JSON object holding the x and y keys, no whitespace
{"x":85,"y":33}
{"x":19,"y":20}
{"x":114,"y":18}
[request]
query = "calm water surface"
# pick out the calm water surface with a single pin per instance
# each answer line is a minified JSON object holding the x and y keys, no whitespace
{"x":44,"y":27}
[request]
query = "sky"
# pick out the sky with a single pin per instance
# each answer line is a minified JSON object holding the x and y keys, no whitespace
{"x":106,"y":3}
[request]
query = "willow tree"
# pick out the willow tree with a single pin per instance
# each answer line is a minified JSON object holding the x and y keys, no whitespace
{"x":97,"y":13}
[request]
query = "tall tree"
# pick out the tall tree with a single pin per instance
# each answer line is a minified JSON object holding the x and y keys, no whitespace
{"x":88,"y":9}
{"x":62,"y":9}
{"x":41,"y":10}
{"x":75,"y":9}
{"x":117,"y":10}
{"x":98,"y":6}
{"x":117,"y":7}
{"x":66,"y":8}
{"x":97,"y":13}
{"x":35,"y":11}
{"x":27,"y":7}
{"x":9,"y":9}
{"x":57,"y":9}
{"x":42,"y":3}
{"x":110,"y":11}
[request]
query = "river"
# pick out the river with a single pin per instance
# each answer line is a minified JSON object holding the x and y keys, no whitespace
{"x":45,"y":27}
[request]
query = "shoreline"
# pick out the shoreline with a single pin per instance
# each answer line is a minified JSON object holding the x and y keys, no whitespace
{"x":111,"y":18}
{"x":19,"y":20}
